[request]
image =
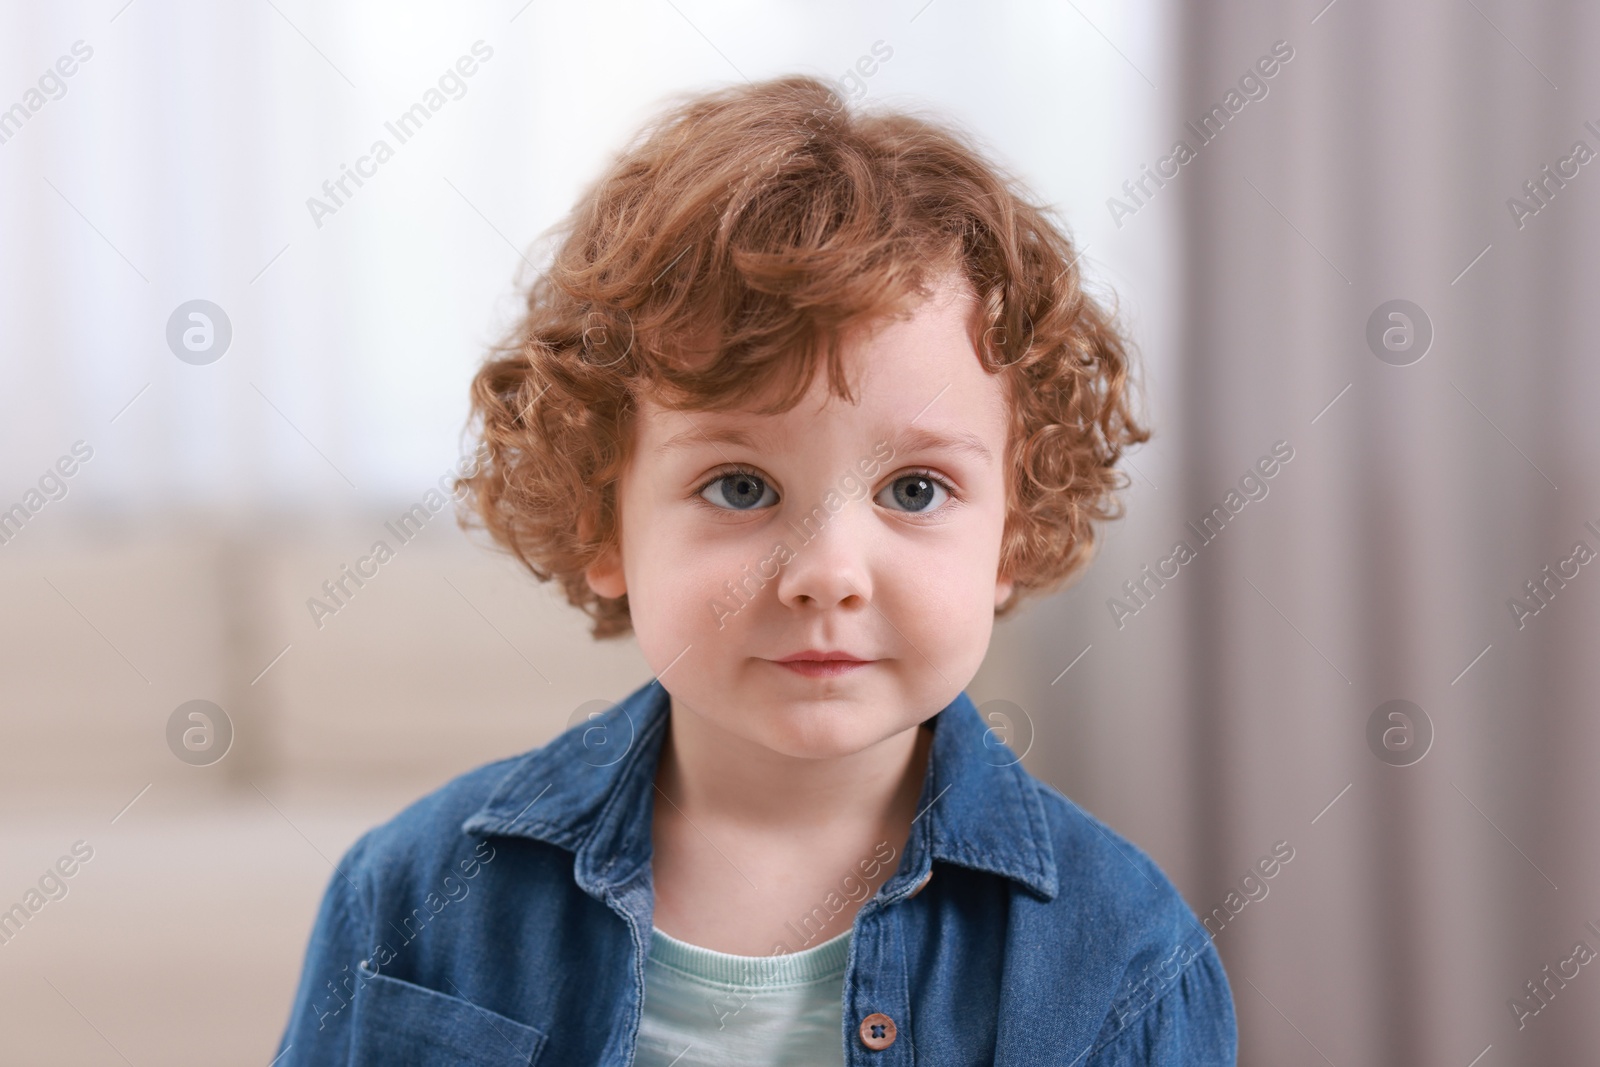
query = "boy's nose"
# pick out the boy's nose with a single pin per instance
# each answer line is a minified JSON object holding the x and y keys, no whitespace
{"x":830,"y":567}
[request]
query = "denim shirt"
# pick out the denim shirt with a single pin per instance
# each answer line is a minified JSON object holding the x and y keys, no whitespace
{"x":506,"y":917}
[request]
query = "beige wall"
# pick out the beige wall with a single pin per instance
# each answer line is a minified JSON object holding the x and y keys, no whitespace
{"x":182,"y":936}
{"x":181,"y":939}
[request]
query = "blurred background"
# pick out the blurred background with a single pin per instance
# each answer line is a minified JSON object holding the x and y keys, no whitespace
{"x":1353,"y":241}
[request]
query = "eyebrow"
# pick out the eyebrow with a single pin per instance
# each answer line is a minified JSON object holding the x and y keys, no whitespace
{"x":962,"y":442}
{"x":696,"y":436}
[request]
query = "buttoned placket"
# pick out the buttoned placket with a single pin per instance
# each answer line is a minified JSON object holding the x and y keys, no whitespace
{"x":626,"y":884}
{"x":877,"y":1024}
{"x":636,"y":904}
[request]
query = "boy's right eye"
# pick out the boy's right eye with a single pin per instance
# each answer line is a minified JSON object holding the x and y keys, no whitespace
{"x":739,"y":491}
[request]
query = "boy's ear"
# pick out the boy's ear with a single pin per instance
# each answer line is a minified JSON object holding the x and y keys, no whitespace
{"x":605,"y":575}
{"x":1002,"y":589}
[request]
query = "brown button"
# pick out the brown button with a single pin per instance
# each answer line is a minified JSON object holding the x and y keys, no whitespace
{"x":877,"y":1031}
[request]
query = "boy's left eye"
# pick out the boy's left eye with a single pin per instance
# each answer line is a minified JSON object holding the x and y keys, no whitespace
{"x":739,"y":491}
{"x":915,"y":493}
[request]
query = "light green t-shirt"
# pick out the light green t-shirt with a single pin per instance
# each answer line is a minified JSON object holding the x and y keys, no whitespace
{"x":713,"y":1009}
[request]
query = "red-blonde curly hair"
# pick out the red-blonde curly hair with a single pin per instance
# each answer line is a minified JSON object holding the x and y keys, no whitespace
{"x":738,"y":243}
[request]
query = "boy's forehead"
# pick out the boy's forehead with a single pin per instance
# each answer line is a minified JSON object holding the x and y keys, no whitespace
{"x":915,"y":372}
{"x":672,"y":430}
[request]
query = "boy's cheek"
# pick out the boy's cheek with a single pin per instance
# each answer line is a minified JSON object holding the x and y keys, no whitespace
{"x":941,"y":596}
{"x":694,"y":593}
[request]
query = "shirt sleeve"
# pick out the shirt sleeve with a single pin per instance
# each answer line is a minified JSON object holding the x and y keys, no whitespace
{"x":1189,"y":1024}
{"x":318,"y":1032}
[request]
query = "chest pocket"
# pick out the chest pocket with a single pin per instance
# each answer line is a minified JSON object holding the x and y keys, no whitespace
{"x":399,"y":1024}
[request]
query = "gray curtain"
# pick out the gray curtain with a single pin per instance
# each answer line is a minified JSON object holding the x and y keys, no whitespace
{"x":1388,"y":558}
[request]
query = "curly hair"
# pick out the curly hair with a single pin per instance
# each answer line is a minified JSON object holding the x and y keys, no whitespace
{"x":738,"y":243}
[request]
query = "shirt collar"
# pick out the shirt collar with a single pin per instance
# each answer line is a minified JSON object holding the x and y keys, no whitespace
{"x":585,"y":792}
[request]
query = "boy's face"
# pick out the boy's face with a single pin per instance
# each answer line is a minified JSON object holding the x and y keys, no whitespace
{"x":830,"y":543}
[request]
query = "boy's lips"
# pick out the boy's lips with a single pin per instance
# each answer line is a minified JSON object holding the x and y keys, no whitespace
{"x":818,"y":664}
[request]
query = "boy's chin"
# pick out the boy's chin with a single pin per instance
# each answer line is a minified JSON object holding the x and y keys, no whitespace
{"x":834,"y":731}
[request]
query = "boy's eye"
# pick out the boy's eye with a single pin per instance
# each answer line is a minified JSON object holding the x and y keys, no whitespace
{"x":913,"y":492}
{"x":739,"y":491}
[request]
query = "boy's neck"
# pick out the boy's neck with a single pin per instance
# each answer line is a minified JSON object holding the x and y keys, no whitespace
{"x":709,"y":773}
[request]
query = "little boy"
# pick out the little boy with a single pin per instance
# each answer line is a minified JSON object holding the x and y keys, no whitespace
{"x":806,"y":399}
